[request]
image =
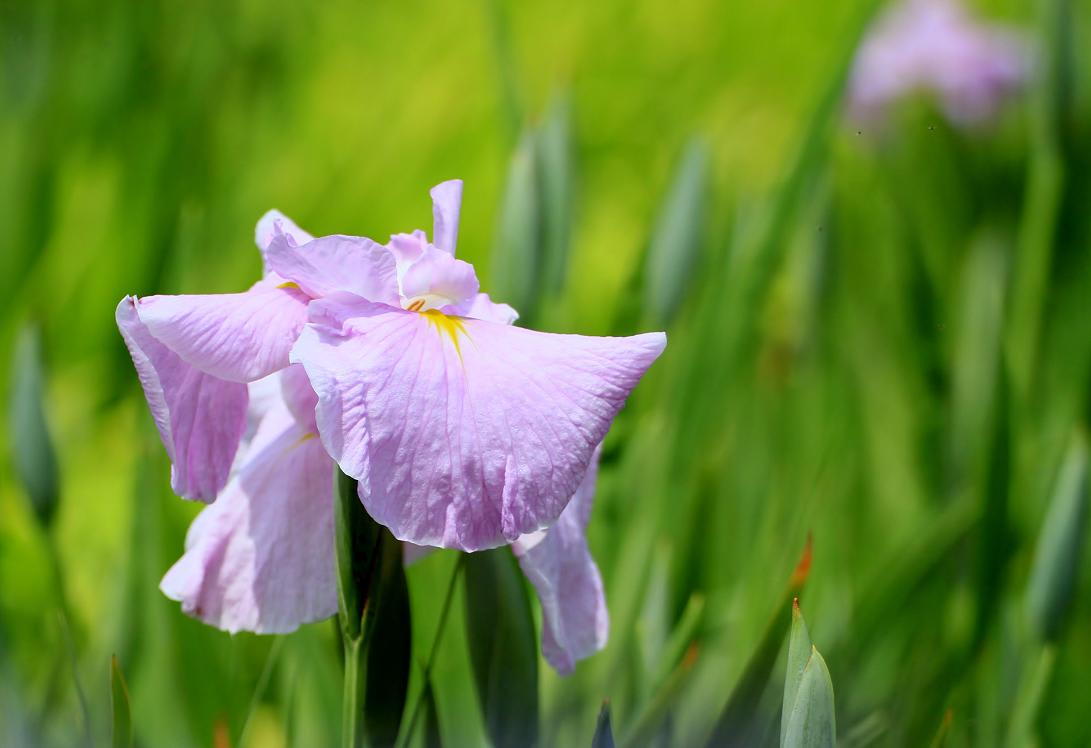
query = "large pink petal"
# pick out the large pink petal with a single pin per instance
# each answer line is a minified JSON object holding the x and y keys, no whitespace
{"x":557,"y":561}
{"x":446,"y":204}
{"x":480,"y":306}
{"x":240,"y":337}
{"x":463,"y":433}
{"x":261,"y":557}
{"x":200,"y":418}
{"x":337,"y":263}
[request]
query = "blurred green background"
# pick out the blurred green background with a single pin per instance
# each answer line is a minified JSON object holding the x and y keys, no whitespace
{"x":880,"y":338}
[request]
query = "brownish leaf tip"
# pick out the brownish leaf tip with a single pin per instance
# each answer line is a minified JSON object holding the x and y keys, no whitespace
{"x":803,"y":568}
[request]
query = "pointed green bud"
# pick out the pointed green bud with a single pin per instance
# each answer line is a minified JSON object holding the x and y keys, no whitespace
{"x":32,"y":448}
{"x":811,"y":723}
{"x":1057,"y":555}
{"x":799,"y":653}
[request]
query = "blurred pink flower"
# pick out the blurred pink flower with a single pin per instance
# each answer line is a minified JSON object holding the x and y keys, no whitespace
{"x":935,"y":46}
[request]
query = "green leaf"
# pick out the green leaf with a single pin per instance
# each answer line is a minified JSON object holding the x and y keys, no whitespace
{"x":676,"y":239}
{"x":121,"y":714}
{"x":357,"y":538}
{"x":1057,"y":556}
{"x":516,"y":255}
{"x":799,"y":652}
{"x":811,"y":723}
{"x":33,"y":453}
{"x":389,"y":646}
{"x":503,"y":647}
{"x":604,"y":733}
{"x":555,"y":193}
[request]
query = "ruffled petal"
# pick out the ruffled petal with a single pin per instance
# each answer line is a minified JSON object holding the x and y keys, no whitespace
{"x":200,"y":418}
{"x":329,"y":264}
{"x":446,"y":204}
{"x":261,"y":557}
{"x":240,"y":337}
{"x":463,"y":433}
{"x":558,"y":563}
{"x":274,"y":222}
{"x":437,"y":280}
{"x":480,"y":306}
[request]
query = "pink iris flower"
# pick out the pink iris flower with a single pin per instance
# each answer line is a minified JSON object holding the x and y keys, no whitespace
{"x":461,"y":430}
{"x":935,"y":46}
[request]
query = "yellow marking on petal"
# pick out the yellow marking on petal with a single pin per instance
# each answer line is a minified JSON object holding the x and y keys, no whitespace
{"x":446,"y":324}
{"x":290,"y":284}
{"x":304,"y":439}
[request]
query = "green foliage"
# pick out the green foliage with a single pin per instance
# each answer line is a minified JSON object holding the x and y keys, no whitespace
{"x":503,"y":647}
{"x":882,"y":341}
{"x":121,"y":723}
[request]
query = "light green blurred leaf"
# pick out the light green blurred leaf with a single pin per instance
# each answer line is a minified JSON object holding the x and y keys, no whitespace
{"x":811,"y":723}
{"x":1060,"y":545}
{"x":518,"y":248}
{"x":32,"y":448}
{"x":676,"y":237}
{"x":555,"y":179}
{"x":799,"y":652}
{"x":503,"y":647}
{"x":121,"y":723}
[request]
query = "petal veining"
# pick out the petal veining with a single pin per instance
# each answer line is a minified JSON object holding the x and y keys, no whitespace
{"x":464,"y":435}
{"x":353,"y":264}
{"x":201,"y":419}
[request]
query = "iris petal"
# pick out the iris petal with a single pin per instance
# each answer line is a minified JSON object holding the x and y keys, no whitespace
{"x":200,"y":418}
{"x":463,"y":433}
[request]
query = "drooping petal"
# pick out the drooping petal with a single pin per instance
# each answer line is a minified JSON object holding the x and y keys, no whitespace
{"x":353,"y":264}
{"x":261,"y":557}
{"x":437,"y":280}
{"x":480,"y":306}
{"x":274,"y":222}
{"x":200,"y":418}
{"x":446,"y":204}
{"x":557,"y":561}
{"x":463,"y":433}
{"x":239,"y":337}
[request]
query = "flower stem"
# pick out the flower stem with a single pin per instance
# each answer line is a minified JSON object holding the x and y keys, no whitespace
{"x":352,"y":698}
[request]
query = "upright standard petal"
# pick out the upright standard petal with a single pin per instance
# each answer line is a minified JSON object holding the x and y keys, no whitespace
{"x":240,"y":337}
{"x":261,"y":558}
{"x":274,"y":222}
{"x":446,"y":204}
{"x":200,"y":418}
{"x":437,"y":280}
{"x":329,"y":264}
{"x":463,"y":433}
{"x":557,"y":561}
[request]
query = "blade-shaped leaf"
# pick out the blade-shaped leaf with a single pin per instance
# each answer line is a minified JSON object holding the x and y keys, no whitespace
{"x":121,"y":714}
{"x":503,"y":647}
{"x":604,"y":733}
{"x":799,"y":652}
{"x":33,"y":453}
{"x":811,"y":723}
{"x":358,"y":547}
{"x":389,"y":647}
{"x":517,"y":253}
{"x":1057,"y":556}
{"x":555,"y":183}
{"x":676,"y":239}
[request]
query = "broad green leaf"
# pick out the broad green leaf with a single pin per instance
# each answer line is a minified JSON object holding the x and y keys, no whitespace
{"x":517,"y":253}
{"x":811,"y":723}
{"x":604,"y":733}
{"x":121,"y":724}
{"x":799,"y":652}
{"x":389,"y":644}
{"x":32,"y":448}
{"x":503,"y":647}
{"x":1060,"y":545}
{"x":676,"y":238}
